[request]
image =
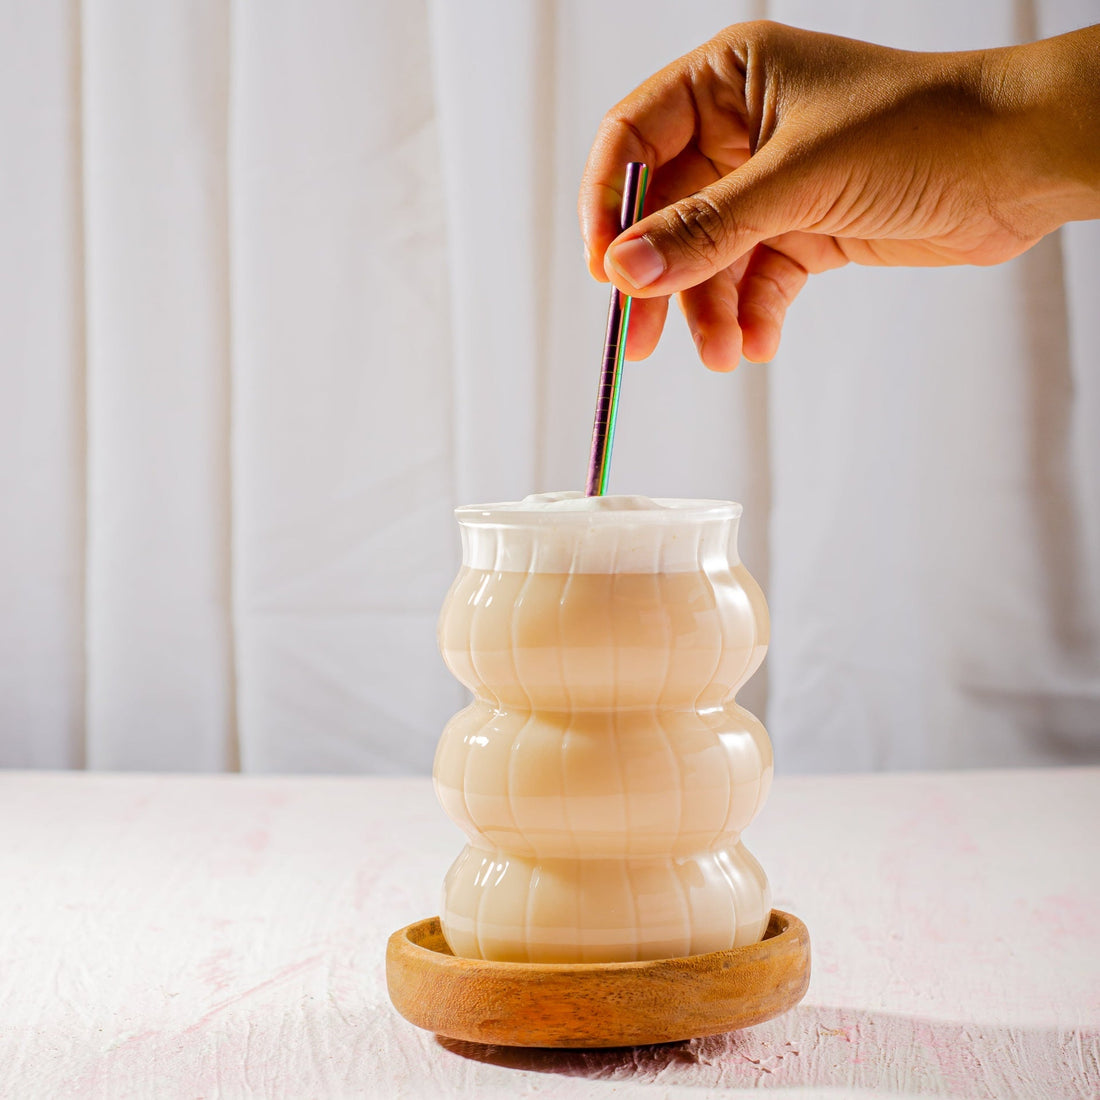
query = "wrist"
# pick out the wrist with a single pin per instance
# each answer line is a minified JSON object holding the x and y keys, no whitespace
{"x":1046,"y":96}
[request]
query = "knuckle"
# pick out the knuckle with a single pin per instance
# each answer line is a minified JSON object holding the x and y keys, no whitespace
{"x":627,"y":128}
{"x":786,"y":276}
{"x":756,"y":34}
{"x":700,"y":226}
{"x":763,"y":30}
{"x":773,"y":292}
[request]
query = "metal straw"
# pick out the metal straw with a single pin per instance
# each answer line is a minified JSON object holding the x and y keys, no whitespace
{"x":614,"y":348}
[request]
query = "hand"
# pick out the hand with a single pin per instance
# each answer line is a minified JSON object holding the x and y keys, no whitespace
{"x":776,"y":153}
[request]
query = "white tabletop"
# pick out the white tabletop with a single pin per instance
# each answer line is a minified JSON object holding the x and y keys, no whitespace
{"x":225,"y":936}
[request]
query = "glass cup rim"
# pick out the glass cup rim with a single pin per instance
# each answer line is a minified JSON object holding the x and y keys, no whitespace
{"x":668,"y":511}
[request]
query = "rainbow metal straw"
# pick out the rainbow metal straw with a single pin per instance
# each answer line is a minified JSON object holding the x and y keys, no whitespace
{"x":614,"y":348}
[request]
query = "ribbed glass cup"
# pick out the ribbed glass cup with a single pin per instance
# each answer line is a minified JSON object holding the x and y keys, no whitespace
{"x":604,"y":771}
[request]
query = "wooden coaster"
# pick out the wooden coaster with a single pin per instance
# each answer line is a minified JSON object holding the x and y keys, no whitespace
{"x":596,"y":1004}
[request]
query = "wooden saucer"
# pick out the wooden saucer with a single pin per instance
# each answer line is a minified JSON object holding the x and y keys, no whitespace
{"x":596,"y":1004}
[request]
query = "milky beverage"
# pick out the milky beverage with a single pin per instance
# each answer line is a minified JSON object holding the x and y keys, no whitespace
{"x":603,"y":772}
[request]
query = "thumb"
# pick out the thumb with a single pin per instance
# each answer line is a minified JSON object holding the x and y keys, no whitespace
{"x":687,"y":242}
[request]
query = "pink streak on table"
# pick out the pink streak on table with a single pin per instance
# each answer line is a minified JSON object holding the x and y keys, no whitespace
{"x":224,"y":937}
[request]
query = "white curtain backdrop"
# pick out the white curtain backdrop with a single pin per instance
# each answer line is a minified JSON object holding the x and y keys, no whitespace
{"x":282,"y":283}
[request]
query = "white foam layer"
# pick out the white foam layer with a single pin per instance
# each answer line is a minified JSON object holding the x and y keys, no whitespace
{"x":578,"y":502}
{"x":571,"y":533}
{"x":570,"y":502}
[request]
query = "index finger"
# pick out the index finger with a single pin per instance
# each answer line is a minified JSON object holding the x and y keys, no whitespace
{"x":653,"y":124}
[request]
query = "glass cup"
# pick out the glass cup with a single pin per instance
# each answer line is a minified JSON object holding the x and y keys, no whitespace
{"x":603,"y":772}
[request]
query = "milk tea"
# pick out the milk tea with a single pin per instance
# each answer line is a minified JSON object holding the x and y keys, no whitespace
{"x":604,"y":771}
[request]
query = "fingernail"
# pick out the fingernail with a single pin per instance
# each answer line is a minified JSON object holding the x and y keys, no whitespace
{"x":636,"y":261}
{"x":700,"y":340}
